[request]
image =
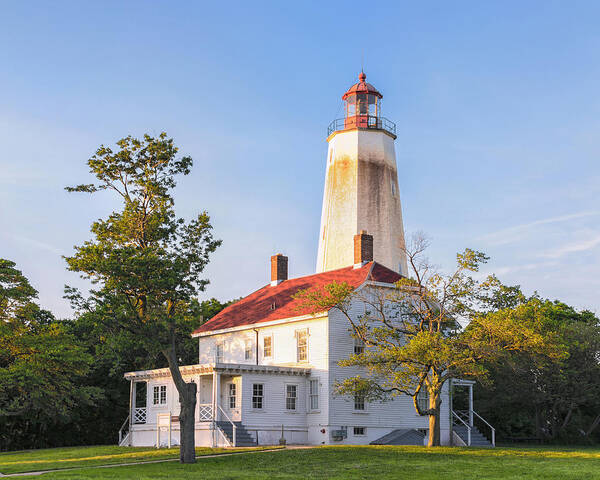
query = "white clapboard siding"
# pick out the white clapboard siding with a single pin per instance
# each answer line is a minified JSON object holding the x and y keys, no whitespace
{"x":398,"y":413}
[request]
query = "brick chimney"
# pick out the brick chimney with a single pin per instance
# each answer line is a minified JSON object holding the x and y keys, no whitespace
{"x":279,"y":269}
{"x":363,"y":248}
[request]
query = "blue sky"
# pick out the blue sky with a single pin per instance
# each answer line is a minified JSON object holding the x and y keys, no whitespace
{"x":497,"y":106}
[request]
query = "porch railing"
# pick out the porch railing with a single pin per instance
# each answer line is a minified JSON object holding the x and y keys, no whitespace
{"x":467,"y":418}
{"x":139,"y":415}
{"x":205,"y":412}
{"x":233,"y":431}
{"x":492,"y":429}
{"x":124,"y":430}
{"x":459,"y":418}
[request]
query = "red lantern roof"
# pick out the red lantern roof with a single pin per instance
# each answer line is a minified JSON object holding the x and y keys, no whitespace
{"x":361,"y":87}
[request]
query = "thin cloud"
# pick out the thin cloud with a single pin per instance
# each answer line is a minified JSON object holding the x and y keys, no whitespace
{"x":580,"y":246}
{"x":511,"y":234}
{"x":37,"y":244}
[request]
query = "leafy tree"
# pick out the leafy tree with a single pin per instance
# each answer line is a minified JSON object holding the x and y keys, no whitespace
{"x":413,"y":334}
{"x":554,"y":399}
{"x":146,"y":261}
{"x":41,"y":367}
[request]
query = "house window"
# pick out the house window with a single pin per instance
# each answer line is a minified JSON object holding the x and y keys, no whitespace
{"x":248,"y":349}
{"x":268,"y":346}
{"x":219,"y":353}
{"x":423,"y":399}
{"x":359,"y":403}
{"x":302,"y":345}
{"x":314,"y":394}
{"x":291,"y":395}
{"x":159,"y":396}
{"x":232,"y":396}
{"x":359,"y":346}
{"x":360,"y":431}
{"x":257,"y":396}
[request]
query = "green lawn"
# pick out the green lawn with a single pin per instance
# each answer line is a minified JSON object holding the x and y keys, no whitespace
{"x":69,"y":457}
{"x":411,"y":463}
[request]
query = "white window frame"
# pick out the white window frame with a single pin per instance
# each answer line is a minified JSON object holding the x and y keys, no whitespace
{"x":248,"y":349}
{"x":359,"y":346}
{"x":303,"y":331}
{"x":219,"y":345}
{"x":262,"y":397}
{"x":270,"y":338}
{"x":363,"y":434}
{"x":295,"y":397}
{"x":313,"y":394}
{"x":232,"y":388}
{"x":160,"y":388}
{"x":354,"y":402}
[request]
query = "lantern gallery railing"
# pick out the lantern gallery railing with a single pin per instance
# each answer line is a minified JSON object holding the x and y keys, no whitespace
{"x":362,"y":121}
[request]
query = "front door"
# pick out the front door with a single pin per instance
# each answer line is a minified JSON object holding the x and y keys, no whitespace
{"x":231,"y":400}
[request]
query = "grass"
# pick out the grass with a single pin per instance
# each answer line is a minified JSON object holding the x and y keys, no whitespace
{"x":70,"y":457}
{"x":412,"y":463}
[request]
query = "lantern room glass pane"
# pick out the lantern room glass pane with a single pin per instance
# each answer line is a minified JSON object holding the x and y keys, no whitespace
{"x":350,"y":108}
{"x":361,"y":100}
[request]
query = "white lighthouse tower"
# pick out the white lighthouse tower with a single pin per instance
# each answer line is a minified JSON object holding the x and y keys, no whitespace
{"x":361,"y":184}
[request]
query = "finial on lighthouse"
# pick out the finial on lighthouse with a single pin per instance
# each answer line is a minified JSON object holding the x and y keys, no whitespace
{"x":362,"y":76}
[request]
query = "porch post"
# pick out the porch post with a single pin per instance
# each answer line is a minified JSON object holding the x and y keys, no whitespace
{"x":471,"y":404}
{"x":131,"y":407}
{"x":215,"y":380}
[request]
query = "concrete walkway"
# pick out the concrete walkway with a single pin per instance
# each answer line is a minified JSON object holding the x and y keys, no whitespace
{"x":200,"y":457}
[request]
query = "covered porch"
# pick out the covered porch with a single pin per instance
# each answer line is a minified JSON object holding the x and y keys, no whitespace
{"x":154,"y":404}
{"x":468,"y":428}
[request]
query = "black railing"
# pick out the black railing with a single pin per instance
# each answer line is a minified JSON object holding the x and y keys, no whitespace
{"x":362,"y":121}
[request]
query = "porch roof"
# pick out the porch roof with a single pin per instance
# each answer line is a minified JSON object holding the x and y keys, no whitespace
{"x":227,"y":368}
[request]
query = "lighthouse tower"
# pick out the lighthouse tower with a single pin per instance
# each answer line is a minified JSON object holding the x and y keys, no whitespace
{"x":361,"y":184}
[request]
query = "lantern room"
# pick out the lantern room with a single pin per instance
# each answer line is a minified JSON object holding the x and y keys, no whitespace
{"x":362,"y":109}
{"x":362,"y":104}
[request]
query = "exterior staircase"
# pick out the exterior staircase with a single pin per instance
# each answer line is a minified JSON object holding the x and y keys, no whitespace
{"x":463,"y":423}
{"x":478,"y":439}
{"x":242,"y":436}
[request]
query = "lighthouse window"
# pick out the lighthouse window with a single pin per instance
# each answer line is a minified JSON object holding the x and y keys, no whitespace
{"x":362,"y":104}
{"x":393,"y":189}
{"x":351,"y":107}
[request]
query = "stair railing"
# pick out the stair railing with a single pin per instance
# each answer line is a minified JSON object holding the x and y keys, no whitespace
{"x":493,"y":430}
{"x":455,"y":415}
{"x":122,"y":429}
{"x":233,"y":432}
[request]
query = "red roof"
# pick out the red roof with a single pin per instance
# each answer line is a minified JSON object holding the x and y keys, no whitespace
{"x":361,"y":87}
{"x":258,"y":306}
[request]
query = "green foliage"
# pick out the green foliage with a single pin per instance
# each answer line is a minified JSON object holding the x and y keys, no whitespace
{"x":554,"y":397}
{"x":42,"y":367}
{"x":146,"y":262}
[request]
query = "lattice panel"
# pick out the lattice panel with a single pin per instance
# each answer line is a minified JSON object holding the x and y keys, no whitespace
{"x":139,"y":415}
{"x":205,"y":413}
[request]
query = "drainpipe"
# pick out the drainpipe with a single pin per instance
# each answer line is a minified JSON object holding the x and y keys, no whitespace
{"x":256,"y":331}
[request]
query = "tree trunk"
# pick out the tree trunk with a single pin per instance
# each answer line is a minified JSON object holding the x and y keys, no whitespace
{"x":434,"y":420}
{"x":593,"y":426}
{"x":187,"y":400}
